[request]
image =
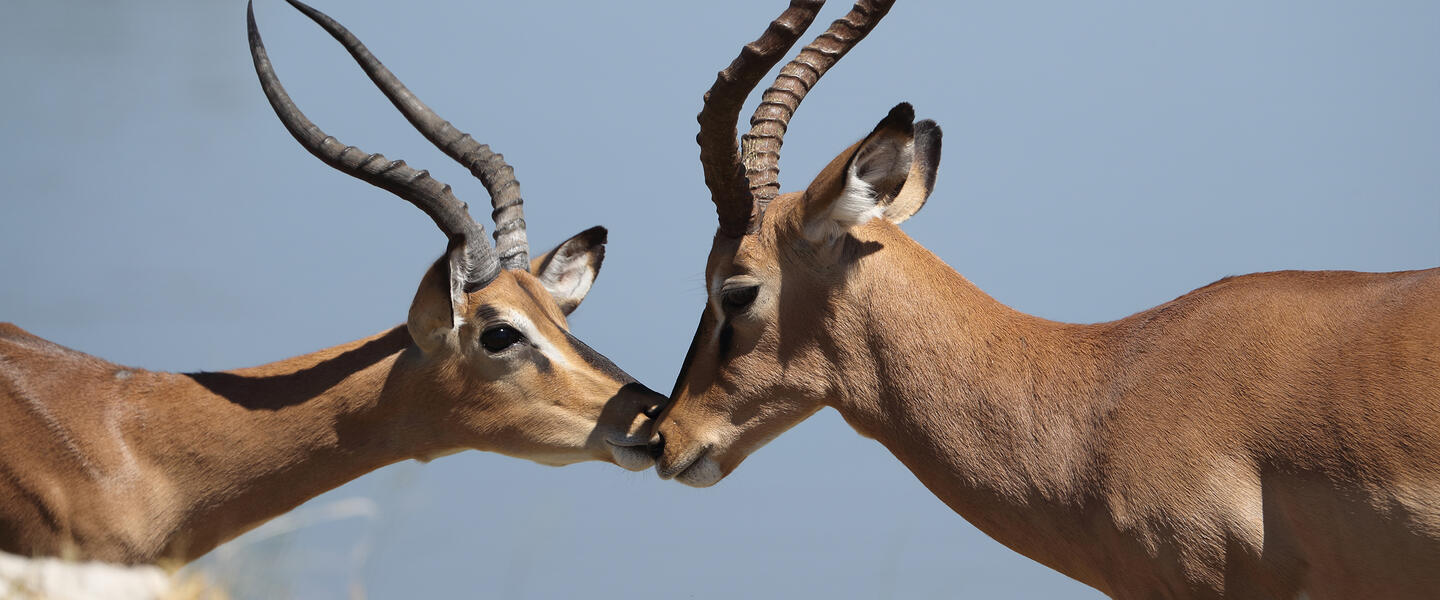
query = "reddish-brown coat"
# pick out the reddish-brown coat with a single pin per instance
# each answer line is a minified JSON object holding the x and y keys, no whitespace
{"x":1260,"y":437}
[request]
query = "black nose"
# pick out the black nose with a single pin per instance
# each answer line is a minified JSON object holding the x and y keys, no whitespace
{"x":654,"y":402}
{"x":657,"y":445}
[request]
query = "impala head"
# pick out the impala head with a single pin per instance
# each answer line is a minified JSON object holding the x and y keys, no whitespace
{"x":500,"y":370}
{"x":784,"y":303}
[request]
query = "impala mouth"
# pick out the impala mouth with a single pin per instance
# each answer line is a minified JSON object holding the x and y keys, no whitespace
{"x":632,"y":454}
{"x":625,"y":441}
{"x":699,"y":470}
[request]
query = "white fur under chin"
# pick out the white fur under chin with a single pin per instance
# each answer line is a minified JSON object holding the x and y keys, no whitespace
{"x":632,"y":458}
{"x":856,"y":205}
{"x":704,"y":473}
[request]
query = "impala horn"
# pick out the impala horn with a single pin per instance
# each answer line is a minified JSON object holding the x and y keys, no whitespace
{"x":487,"y":166}
{"x":473,"y":263}
{"x":744,"y":179}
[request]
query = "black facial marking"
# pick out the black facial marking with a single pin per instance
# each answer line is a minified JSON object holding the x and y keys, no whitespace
{"x":689,"y":357}
{"x":597,"y":360}
{"x":727,"y":333}
{"x":487,"y":313}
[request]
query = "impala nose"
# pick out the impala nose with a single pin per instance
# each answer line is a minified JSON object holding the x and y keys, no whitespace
{"x":652,"y":402}
{"x":657,"y":446}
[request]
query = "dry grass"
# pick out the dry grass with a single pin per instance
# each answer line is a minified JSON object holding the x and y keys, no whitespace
{"x":231,"y":571}
{"x":61,"y":579}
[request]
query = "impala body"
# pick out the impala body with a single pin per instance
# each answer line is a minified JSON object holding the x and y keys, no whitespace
{"x":101,"y":461}
{"x":1274,"y":435}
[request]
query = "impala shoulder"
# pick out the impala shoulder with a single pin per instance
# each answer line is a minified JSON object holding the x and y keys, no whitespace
{"x":1321,"y":281}
{"x":1274,"y":288}
{"x":10,"y":331}
{"x":16,"y":343}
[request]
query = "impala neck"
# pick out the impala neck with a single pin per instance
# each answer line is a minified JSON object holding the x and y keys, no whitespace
{"x":221,"y":453}
{"x":998,"y":413}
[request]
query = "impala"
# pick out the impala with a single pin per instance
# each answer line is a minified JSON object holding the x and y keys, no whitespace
{"x":1274,"y":435}
{"x":112,"y":463}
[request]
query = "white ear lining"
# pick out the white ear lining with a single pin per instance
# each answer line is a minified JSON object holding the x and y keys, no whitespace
{"x":568,"y":276}
{"x":571,"y":282}
{"x":858,"y":203}
{"x":457,"y":290}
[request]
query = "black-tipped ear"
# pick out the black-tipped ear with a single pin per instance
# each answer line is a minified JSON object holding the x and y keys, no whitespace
{"x":883,"y":160}
{"x":858,"y":185}
{"x":900,"y":118}
{"x":921,"y":179}
{"x":569,"y":270}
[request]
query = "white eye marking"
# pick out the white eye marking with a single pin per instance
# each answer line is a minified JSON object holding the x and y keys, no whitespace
{"x":713,"y":297}
{"x":519,"y":321}
{"x":716,"y":283}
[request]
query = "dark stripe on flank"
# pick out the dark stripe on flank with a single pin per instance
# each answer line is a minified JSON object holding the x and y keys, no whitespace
{"x":598,"y":360}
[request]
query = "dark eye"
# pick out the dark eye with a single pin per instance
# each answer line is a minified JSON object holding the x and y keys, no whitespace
{"x":738,"y":299}
{"x":500,"y":337}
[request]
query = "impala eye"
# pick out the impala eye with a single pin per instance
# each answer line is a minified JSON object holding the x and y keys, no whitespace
{"x":738,"y":299}
{"x":500,"y":337}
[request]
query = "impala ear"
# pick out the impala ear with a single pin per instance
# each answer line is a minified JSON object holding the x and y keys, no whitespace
{"x":435,"y":311}
{"x":924,"y":163}
{"x":568,"y":271}
{"x":890,"y":173}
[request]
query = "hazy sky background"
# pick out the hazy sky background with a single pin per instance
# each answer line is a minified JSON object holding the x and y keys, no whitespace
{"x":1100,"y":158}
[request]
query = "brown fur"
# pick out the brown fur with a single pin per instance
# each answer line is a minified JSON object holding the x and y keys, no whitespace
{"x":1260,"y":437}
{"x":104,"y":462}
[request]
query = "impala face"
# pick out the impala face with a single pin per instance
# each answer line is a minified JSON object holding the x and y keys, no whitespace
{"x":786,"y":303}
{"x":522,"y":384}
{"x":741,"y":384}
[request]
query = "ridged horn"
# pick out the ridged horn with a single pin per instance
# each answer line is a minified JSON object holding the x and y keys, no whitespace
{"x":479,"y":265}
{"x":489,"y":167}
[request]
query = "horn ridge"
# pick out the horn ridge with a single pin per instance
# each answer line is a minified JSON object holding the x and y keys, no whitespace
{"x":488,"y":166}
{"x":431,"y":196}
{"x":720,"y":154}
{"x":761,"y":146}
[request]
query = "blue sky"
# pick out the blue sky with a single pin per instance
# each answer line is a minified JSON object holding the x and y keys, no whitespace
{"x":1100,"y":158}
